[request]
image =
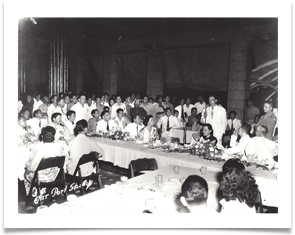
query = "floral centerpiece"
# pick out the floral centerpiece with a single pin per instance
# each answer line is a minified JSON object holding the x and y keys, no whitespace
{"x":114,"y":134}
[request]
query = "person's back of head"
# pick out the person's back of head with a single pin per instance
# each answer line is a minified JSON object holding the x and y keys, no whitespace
{"x":194,"y":193}
{"x":80,"y":127}
{"x":238,"y":184}
{"x":47,"y":134}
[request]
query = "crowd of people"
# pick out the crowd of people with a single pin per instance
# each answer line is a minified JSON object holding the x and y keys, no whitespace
{"x":60,"y":123}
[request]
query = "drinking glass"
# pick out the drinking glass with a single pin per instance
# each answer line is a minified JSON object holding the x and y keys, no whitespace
{"x":119,"y":187}
{"x":176,"y":169}
{"x":203,"y":170}
{"x":159,"y":181}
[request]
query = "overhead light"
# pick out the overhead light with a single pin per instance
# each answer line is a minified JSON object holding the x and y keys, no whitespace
{"x":33,"y":20}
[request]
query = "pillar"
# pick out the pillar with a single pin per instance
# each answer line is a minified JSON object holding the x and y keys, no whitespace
{"x":110,"y":73}
{"x":58,"y":80}
{"x":155,"y":73}
{"x":239,"y":77}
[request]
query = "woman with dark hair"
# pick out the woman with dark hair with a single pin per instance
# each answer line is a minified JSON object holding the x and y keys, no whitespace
{"x":45,"y":149}
{"x":239,"y":189}
{"x":149,"y":132}
{"x":193,"y":196}
{"x":207,"y":134}
{"x":79,"y":146}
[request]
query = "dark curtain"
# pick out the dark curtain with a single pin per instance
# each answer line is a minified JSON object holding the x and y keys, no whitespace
{"x":133,"y":74}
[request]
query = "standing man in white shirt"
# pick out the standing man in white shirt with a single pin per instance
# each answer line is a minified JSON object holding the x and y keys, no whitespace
{"x":118,"y":105}
{"x":135,"y":127}
{"x":51,"y":107}
{"x":167,"y":122}
{"x":37,"y":122}
{"x":181,"y":113}
{"x":71,"y":115}
{"x":188,"y":107}
{"x":103,"y":124}
{"x":60,"y":109}
{"x":80,"y":108}
{"x":37,"y":102}
{"x":200,"y":105}
{"x":90,"y":106}
{"x":216,"y":116}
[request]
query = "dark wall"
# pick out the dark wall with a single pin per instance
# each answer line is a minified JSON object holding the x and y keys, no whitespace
{"x":263,"y":52}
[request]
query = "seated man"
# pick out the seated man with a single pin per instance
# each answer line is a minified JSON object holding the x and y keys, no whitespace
{"x":238,"y":147}
{"x":135,"y":127}
{"x":25,"y":133}
{"x":119,"y":122}
{"x":70,"y":124}
{"x":167,"y":122}
{"x":92,"y":122}
{"x":192,"y":118}
{"x":261,"y":148}
{"x":232,"y":127}
{"x":180,"y":122}
{"x":103,"y":125}
{"x":37,"y":122}
{"x":62,"y":132}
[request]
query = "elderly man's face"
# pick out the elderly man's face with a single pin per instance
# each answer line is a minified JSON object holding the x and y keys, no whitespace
{"x":267,"y":108}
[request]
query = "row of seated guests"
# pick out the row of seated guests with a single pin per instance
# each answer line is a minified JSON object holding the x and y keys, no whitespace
{"x":239,"y":193}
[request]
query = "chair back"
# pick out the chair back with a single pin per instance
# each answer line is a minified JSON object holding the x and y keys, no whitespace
{"x":90,"y":157}
{"x":59,"y":181}
{"x":142,"y":164}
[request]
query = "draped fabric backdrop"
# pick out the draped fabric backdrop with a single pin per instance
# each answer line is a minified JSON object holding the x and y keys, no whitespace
{"x":199,"y":68}
{"x":93,"y":75}
{"x":133,"y":74}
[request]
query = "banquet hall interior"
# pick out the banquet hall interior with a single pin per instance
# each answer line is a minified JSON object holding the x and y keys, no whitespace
{"x":116,"y":112}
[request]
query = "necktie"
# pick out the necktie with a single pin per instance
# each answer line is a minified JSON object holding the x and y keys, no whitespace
{"x":232,"y":125}
{"x":40,"y":123}
{"x":167,"y":124}
{"x":212,"y":113}
{"x":108,"y":128}
{"x":182,"y":114}
{"x":137,"y":129}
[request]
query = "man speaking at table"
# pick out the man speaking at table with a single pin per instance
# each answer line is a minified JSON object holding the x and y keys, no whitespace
{"x":216,"y":116}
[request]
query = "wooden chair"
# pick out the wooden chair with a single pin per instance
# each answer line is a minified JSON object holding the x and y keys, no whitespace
{"x":59,"y":181}
{"x":91,"y":157}
{"x":142,"y":164}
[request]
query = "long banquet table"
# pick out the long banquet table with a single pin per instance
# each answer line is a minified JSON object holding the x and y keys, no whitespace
{"x":136,"y":195}
{"x":120,"y":153}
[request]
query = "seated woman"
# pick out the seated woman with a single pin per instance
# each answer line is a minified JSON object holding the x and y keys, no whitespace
{"x":238,"y":188}
{"x":45,"y":149}
{"x":149,"y":132}
{"x":193,"y":196}
{"x":79,"y":146}
{"x":207,"y":134}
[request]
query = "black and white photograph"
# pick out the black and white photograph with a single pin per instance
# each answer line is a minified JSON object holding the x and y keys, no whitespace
{"x":165,"y":115}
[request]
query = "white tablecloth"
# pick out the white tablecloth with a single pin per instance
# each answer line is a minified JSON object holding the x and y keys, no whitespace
{"x":133,"y":199}
{"x":120,"y":153}
{"x":179,"y":133}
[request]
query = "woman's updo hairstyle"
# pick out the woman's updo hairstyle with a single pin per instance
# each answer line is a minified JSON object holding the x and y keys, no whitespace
{"x":147,"y":119}
{"x":80,"y":126}
{"x":47,"y":134}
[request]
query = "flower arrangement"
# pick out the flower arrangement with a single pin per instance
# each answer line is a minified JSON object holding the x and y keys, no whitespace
{"x":115,"y":134}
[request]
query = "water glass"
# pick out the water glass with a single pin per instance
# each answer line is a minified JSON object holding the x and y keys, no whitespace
{"x":176,"y":169}
{"x":119,"y":187}
{"x":203,"y":170}
{"x":159,"y":181}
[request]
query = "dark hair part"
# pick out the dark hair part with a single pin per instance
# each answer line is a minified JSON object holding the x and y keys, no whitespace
{"x":246,"y":127}
{"x":239,"y":184}
{"x":47,"y":134}
{"x":209,"y":127}
{"x":103,"y":113}
{"x":232,"y":112}
{"x":166,"y":109}
{"x":55,"y":115}
{"x":119,"y":110}
{"x":195,"y":190}
{"x":147,"y":119}
{"x":70,"y":113}
{"x":93,"y":112}
{"x":80,"y":126}
{"x":36,"y":112}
